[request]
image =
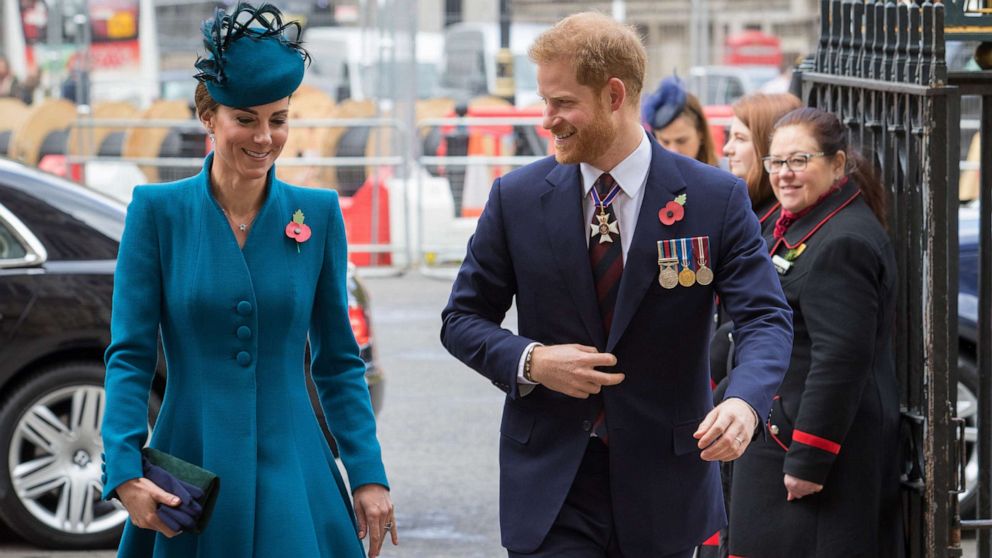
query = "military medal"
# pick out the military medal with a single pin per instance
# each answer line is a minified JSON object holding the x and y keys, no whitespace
{"x":687,"y":277}
{"x":668,"y":276}
{"x":604,"y":228}
{"x":704,"y":275}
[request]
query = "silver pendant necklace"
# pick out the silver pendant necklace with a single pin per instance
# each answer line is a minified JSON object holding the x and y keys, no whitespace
{"x":243,"y":227}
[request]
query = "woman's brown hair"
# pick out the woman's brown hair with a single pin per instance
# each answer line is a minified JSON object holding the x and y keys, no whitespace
{"x":759,"y":111}
{"x":828,"y":132}
{"x":694,"y":112}
{"x":204,"y":103}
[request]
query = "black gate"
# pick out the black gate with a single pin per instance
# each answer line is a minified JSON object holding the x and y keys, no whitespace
{"x":880,"y":66}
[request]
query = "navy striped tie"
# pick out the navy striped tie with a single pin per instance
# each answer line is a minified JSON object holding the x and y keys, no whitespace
{"x":606,"y":259}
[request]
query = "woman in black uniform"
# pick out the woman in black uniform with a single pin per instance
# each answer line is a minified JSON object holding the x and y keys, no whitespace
{"x":823,"y":481}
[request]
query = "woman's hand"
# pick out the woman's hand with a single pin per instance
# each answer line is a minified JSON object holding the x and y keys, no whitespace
{"x":798,"y":488}
{"x":141,"y":498}
{"x":375,"y":513}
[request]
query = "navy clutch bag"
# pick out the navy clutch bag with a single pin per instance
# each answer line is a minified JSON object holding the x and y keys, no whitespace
{"x":196,"y":487}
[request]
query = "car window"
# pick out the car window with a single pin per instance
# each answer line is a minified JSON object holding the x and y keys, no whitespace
{"x":70,"y":224}
{"x":10,"y":247}
{"x":735,"y":90}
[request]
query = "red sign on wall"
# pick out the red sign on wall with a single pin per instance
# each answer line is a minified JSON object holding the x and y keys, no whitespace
{"x":753,"y":47}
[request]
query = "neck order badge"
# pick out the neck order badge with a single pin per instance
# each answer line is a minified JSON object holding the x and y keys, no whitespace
{"x":604,"y":228}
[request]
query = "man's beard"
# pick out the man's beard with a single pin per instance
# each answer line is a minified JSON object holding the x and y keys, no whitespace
{"x":589,"y":143}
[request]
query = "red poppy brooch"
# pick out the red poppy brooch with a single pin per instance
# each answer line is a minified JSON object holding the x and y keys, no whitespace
{"x":673,"y":211}
{"x":297,"y":230}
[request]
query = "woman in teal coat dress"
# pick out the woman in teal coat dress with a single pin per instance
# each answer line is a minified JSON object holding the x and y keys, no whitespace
{"x":237,"y":270}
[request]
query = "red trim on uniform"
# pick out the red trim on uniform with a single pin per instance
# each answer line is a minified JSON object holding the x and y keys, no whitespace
{"x":782,"y":240}
{"x":713,"y":540}
{"x":736,"y":556}
{"x":712,"y":384}
{"x":815,"y":441}
{"x":774,"y":437}
{"x":765,"y":217}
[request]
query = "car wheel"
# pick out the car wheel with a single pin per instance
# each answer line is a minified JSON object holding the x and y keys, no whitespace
{"x":50,"y":448}
{"x":967,"y":409}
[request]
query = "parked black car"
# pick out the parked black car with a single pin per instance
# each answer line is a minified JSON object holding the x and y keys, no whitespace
{"x":967,"y":407}
{"x":58,"y":249}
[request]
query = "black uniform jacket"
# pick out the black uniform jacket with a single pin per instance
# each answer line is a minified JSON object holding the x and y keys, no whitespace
{"x":834,"y":419}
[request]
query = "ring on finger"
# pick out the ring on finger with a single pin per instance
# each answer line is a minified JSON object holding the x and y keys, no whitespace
{"x":740,"y":441}
{"x":389,"y":525}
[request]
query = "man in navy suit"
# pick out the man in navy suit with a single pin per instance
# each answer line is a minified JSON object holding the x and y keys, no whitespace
{"x":614,"y":250}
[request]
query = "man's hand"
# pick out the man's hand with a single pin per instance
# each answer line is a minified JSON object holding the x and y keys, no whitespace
{"x":571,"y":369}
{"x":798,"y":488}
{"x":141,"y":498}
{"x":726,"y":431}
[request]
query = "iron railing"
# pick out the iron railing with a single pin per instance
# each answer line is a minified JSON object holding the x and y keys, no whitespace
{"x":880,"y":67}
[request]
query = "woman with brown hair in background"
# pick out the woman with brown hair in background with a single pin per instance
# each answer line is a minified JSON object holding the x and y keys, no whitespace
{"x":748,"y":141}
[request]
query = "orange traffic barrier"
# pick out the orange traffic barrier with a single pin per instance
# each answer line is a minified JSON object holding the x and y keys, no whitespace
{"x":357,"y":211}
{"x":487,"y":140}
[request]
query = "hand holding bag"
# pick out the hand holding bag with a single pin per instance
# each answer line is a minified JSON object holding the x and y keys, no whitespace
{"x":196,"y":487}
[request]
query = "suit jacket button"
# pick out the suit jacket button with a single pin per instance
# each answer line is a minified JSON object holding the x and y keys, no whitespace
{"x":586,"y":425}
{"x":244,"y":332}
{"x":244,"y":308}
{"x":244,"y":359}
{"x":773,"y":429}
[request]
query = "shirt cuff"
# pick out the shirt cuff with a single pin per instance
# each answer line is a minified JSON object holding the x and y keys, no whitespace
{"x":524,"y":386}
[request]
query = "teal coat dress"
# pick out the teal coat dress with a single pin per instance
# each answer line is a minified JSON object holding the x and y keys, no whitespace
{"x":234,"y":325}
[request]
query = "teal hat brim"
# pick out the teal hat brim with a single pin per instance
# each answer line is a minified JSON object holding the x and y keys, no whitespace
{"x":258,"y":71}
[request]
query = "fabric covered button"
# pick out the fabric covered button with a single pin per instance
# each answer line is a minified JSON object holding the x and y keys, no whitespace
{"x":244,"y":332}
{"x":244,"y":359}
{"x":587,"y":425}
{"x":244,"y":308}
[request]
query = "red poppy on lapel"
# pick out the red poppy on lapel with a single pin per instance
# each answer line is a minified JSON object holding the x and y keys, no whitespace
{"x":297,"y":230}
{"x":673,"y":211}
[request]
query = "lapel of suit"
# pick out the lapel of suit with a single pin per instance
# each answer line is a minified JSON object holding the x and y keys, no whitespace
{"x":564,"y":222}
{"x":640,"y":267}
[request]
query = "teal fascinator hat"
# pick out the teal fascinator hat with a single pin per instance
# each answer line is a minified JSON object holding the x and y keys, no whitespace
{"x":251,"y":59}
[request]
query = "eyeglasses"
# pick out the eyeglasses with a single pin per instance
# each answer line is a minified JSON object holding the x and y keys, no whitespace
{"x":795,"y":163}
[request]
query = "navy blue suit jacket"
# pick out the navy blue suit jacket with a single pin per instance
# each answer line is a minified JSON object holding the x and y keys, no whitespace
{"x":530,"y":244}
